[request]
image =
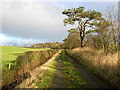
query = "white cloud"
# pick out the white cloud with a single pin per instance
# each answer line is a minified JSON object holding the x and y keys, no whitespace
{"x":41,"y":21}
{"x":2,"y":39}
{"x":33,"y":20}
{"x":7,"y":40}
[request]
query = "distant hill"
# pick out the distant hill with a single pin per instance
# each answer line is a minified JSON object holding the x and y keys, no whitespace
{"x":55,"y":45}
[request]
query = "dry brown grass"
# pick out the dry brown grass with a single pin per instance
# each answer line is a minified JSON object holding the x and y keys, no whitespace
{"x":98,"y":59}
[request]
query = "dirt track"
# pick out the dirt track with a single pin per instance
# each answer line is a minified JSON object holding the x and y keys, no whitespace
{"x":91,"y":79}
{"x":59,"y":80}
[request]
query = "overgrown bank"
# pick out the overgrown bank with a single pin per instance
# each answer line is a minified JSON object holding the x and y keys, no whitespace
{"x":24,"y":64}
{"x":41,"y":77}
{"x":102,"y":65}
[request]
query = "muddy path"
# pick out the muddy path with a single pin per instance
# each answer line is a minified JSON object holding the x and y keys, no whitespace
{"x":59,"y":79}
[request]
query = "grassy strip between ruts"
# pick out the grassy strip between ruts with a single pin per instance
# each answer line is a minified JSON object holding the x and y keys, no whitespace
{"x":72,"y":76}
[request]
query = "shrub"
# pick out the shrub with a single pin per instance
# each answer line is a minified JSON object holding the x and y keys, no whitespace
{"x":25,"y":63}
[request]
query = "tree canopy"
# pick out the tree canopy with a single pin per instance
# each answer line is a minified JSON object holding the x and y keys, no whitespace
{"x":84,"y":19}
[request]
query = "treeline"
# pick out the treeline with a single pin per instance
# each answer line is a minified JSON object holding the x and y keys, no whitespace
{"x":94,"y":42}
{"x":55,"y":45}
{"x":92,"y":29}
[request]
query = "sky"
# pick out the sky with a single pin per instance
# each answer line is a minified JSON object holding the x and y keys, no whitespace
{"x":35,"y":21}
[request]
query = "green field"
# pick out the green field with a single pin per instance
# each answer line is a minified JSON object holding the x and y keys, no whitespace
{"x":10,"y":53}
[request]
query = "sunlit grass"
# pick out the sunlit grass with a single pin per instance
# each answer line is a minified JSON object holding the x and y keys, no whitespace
{"x":45,"y":79}
{"x":24,"y":64}
{"x":10,"y":53}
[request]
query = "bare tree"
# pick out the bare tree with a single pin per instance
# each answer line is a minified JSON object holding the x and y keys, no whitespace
{"x":112,"y":16}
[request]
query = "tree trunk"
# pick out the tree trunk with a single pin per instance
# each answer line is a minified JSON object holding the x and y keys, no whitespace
{"x":81,"y":39}
{"x":81,"y":42}
{"x":80,"y":31}
{"x":81,"y":27}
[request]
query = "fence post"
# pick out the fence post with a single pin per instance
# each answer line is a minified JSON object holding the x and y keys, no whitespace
{"x":9,"y":65}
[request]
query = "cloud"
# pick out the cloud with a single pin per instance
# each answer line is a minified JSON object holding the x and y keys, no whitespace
{"x":42,"y":21}
{"x":2,"y":39}
{"x":39,"y":21}
{"x":10,"y":41}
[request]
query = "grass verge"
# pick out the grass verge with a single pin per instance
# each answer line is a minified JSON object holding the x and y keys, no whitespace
{"x":45,"y":79}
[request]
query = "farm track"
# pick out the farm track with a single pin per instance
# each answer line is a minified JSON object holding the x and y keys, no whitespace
{"x":91,"y":79}
{"x":58,"y":79}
